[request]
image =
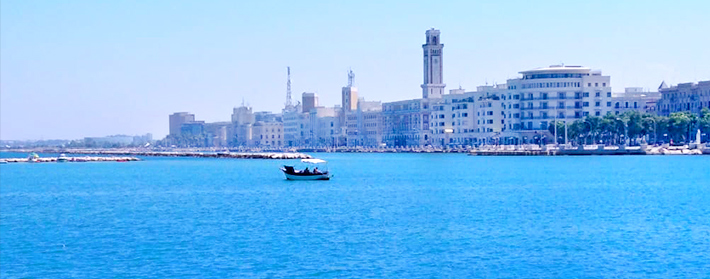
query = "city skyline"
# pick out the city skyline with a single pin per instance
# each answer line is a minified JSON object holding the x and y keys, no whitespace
{"x":127,"y":79}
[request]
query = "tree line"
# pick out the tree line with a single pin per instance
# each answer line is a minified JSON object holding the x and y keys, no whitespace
{"x":636,"y":128}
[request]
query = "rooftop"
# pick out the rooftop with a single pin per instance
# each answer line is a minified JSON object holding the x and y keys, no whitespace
{"x":558,"y":68}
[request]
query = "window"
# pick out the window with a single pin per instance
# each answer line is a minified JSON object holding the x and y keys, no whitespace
{"x":597,"y":104}
{"x":489,"y":113}
{"x":604,"y":84}
{"x":608,"y":104}
{"x":586,"y":113}
{"x":586,"y":94}
{"x":561,"y":95}
{"x":636,"y":105}
{"x":598,"y":94}
{"x":608,"y":94}
{"x":585,"y":104}
{"x":596,"y":84}
{"x":589,"y":84}
{"x":544,"y":96}
{"x":597,"y":113}
{"x":490,"y":121}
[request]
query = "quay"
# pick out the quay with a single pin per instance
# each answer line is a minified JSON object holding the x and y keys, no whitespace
{"x":600,"y":150}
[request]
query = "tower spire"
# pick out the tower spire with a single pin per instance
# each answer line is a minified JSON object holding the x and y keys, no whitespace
{"x":351,"y":77}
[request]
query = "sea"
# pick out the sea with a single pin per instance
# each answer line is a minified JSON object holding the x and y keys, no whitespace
{"x":381,"y":216}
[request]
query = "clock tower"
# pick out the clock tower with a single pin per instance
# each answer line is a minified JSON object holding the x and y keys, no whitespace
{"x":433,"y":85}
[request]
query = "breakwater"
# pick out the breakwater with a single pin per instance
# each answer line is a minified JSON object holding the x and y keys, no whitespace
{"x":71,"y":159}
{"x":181,"y":153}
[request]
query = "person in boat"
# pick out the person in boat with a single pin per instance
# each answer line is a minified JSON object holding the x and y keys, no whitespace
{"x":306,"y":171}
{"x":315,"y":171}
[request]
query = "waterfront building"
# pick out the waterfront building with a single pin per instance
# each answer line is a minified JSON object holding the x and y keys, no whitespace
{"x":309,"y":101}
{"x":295,"y":125}
{"x":558,"y":93}
{"x":177,"y":119}
{"x":453,"y":118}
{"x":267,"y":116}
{"x":243,"y":115}
{"x":324,"y":126}
{"x":365,"y":124}
{"x":194,"y":128}
{"x":216,"y":133}
{"x":690,"y":97}
{"x":634,"y":99}
{"x":267,"y":134}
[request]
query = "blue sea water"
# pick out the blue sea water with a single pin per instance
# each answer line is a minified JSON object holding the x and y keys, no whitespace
{"x":382,"y":215}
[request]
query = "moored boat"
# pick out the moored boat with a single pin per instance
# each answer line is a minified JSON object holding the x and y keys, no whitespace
{"x":62,"y":158}
{"x":33,"y":158}
{"x":308,"y":174}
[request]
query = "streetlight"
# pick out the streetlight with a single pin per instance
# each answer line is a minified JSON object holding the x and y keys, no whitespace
{"x":655,"y":131}
{"x":626,"y":134}
{"x":590,"y":129}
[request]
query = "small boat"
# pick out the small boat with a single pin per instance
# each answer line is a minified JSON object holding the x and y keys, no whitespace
{"x":3,"y":161}
{"x":308,"y":173}
{"x":62,"y":158}
{"x":33,"y":158}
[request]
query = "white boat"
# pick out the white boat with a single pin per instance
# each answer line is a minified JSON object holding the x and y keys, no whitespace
{"x":33,"y":158}
{"x":62,"y":158}
{"x":315,"y":169}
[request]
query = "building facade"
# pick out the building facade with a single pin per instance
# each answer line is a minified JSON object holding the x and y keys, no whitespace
{"x":177,"y":119}
{"x":634,"y":99}
{"x":690,"y":97}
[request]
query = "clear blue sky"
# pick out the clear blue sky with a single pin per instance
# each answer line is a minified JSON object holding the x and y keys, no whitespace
{"x":70,"y":69}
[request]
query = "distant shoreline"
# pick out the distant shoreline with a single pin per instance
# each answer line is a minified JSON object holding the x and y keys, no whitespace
{"x":299,"y":153}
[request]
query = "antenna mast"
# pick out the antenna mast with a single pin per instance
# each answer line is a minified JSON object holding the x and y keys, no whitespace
{"x":288,"y":88}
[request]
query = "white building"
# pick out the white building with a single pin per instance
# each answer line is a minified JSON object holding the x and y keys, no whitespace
{"x":365,"y":124}
{"x":267,"y":134}
{"x":295,"y":126}
{"x":634,"y":99}
{"x":557,"y":93}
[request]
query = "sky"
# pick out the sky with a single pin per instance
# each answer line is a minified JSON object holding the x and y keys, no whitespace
{"x":74,"y":69}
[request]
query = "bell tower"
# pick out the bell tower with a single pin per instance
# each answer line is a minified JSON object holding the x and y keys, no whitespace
{"x":433,"y":85}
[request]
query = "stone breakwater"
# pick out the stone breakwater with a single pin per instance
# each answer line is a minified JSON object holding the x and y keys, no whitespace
{"x":232,"y":155}
{"x":72,"y":159}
